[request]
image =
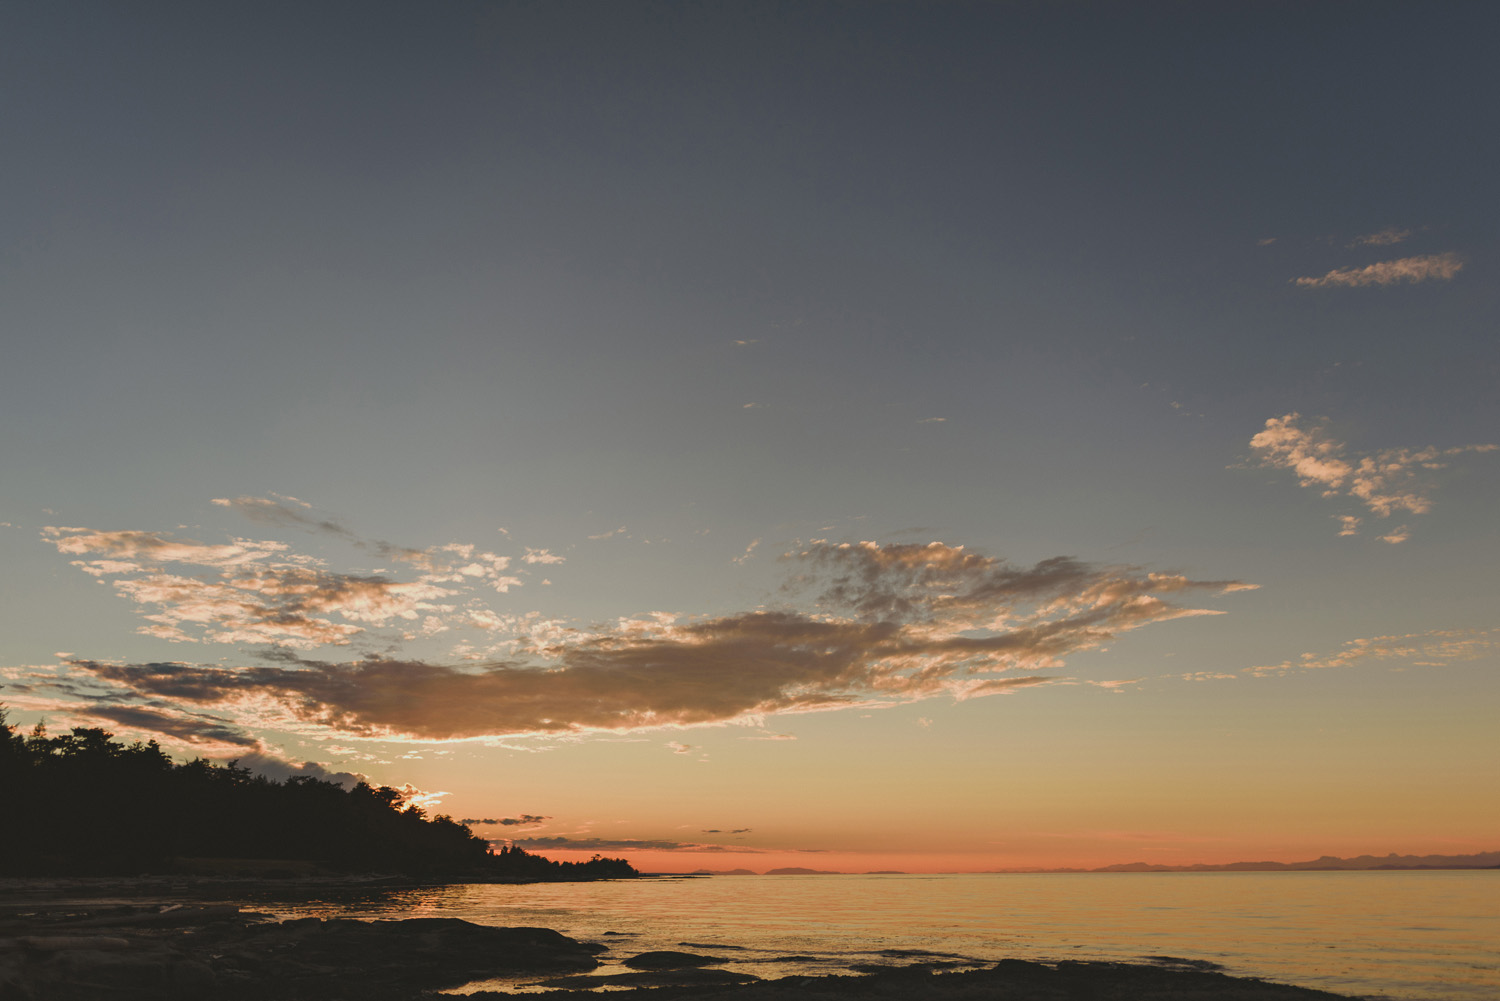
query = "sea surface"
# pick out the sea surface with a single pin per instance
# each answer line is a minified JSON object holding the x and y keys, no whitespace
{"x":1394,"y":936}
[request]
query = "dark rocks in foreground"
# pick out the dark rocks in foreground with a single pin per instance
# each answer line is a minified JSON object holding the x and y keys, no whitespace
{"x":182,"y":953}
{"x":1008,"y":980}
{"x":195,"y":953}
{"x":668,"y":959}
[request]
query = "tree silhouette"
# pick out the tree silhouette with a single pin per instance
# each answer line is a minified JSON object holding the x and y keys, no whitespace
{"x":85,"y":803}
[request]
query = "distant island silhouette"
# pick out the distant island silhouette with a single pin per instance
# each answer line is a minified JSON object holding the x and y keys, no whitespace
{"x":1326,"y":863}
{"x":85,"y":804}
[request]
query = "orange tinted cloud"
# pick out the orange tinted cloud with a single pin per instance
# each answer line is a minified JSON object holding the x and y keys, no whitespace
{"x":1429,"y":267}
{"x":890,"y":624}
{"x":1384,"y":481}
{"x":1434,"y":648}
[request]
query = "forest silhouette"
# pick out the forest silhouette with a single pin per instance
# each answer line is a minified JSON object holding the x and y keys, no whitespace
{"x":85,"y":804}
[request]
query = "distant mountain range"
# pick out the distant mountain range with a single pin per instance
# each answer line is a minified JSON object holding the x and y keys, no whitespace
{"x":1483,"y":860}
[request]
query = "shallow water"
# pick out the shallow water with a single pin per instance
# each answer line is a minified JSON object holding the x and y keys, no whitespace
{"x":1404,"y":936}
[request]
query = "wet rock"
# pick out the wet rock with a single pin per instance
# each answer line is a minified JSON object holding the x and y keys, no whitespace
{"x":653,"y":978}
{"x":666,"y":959}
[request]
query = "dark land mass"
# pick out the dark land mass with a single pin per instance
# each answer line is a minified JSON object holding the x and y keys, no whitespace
{"x":187,"y":953}
{"x":147,"y":814}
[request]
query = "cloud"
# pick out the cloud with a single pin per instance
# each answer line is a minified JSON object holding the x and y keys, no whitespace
{"x":1386,"y":481}
{"x":932,"y":420}
{"x":279,"y":769}
{"x":745,"y":556}
{"x":1385,"y":238}
{"x":524,"y":820}
{"x":889,"y":624}
{"x":1434,"y":648}
{"x":622,"y":845}
{"x":542,"y":556}
{"x":678,"y":747}
{"x":201,"y":734}
{"x":1430,"y":267}
{"x":737,"y":830}
{"x":1396,"y":536}
{"x":133,"y":548}
{"x":610,"y":534}
{"x":256,"y":591}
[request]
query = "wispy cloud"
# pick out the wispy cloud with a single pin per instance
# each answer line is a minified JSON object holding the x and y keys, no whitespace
{"x":257,"y":591}
{"x":624,"y":845}
{"x":1434,"y":648}
{"x":524,"y":820}
{"x":888,"y":624}
{"x":1385,"y":481}
{"x":1429,"y":267}
{"x":1385,"y":238}
{"x":749,"y":550}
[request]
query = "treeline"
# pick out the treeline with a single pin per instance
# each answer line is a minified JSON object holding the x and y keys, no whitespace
{"x":83,"y":803}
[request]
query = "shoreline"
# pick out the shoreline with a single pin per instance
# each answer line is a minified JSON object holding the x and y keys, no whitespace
{"x":57,"y":950}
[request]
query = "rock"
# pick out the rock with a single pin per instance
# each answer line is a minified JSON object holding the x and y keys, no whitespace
{"x":653,"y":978}
{"x":666,"y":959}
{"x":312,"y":957}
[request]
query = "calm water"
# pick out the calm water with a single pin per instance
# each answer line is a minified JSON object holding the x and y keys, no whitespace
{"x":1412,"y":936}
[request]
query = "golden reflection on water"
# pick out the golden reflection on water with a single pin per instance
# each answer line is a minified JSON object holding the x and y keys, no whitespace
{"x":1415,"y":936}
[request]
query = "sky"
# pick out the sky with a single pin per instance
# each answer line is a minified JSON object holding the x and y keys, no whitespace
{"x":853,"y":436}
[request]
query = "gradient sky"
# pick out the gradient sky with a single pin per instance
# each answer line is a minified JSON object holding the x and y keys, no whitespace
{"x":879,"y":435}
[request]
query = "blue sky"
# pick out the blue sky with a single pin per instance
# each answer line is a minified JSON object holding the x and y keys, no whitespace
{"x":663,"y":296}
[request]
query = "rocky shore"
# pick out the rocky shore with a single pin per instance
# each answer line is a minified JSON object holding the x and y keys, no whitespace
{"x":189,"y":952}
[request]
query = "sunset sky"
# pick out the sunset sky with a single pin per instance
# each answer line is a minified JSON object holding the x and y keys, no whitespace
{"x":922,"y":436}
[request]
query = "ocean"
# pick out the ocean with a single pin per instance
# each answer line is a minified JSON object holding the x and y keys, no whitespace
{"x":1388,"y":935}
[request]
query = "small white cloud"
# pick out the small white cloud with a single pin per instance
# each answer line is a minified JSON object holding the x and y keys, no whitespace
{"x":1348,"y":524}
{"x":678,"y":747}
{"x":748,"y":551}
{"x":932,"y":420}
{"x":541,"y":556}
{"x":752,"y":406}
{"x":1398,"y":535}
{"x":610,"y":534}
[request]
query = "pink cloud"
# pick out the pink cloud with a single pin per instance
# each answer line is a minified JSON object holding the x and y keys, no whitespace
{"x":1385,"y":481}
{"x":1430,"y":267}
{"x":1434,"y":648}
